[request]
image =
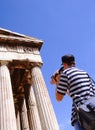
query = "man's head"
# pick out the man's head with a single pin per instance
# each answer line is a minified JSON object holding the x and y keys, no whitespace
{"x":68,"y":60}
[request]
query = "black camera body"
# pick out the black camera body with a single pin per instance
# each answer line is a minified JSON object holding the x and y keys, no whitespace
{"x":58,"y":72}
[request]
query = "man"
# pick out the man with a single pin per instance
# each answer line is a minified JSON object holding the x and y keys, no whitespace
{"x":76,"y":83}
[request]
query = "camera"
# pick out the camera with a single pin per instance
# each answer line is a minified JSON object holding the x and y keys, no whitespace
{"x":58,"y":72}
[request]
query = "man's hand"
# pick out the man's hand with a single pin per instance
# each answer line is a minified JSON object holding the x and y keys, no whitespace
{"x":55,"y":78}
{"x":53,"y":81}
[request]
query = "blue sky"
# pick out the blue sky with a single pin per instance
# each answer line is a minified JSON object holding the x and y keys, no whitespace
{"x":65,"y":26}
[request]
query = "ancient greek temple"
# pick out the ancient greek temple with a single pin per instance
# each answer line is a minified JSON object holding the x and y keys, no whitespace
{"x":24,"y":100}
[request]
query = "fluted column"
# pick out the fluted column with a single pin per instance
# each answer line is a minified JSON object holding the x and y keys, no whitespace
{"x":7,"y":110}
{"x":23,"y":116}
{"x":47,"y":115}
{"x":18,"y":121}
{"x":34,"y":120}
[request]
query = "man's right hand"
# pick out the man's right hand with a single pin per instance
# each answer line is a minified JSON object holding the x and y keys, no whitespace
{"x":55,"y":78}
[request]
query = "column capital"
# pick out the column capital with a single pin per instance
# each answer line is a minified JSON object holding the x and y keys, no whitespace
{"x":5,"y":62}
{"x":36,"y":64}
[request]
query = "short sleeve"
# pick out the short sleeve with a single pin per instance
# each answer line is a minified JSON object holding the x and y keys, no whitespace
{"x":63,"y":84}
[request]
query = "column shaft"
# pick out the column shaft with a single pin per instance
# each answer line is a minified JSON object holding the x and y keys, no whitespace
{"x":23,"y":116}
{"x":34,"y":120}
{"x":7,"y":110}
{"x":18,"y":121}
{"x":47,"y":115}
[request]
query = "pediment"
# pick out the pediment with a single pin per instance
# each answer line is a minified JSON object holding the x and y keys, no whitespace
{"x":9,"y":37}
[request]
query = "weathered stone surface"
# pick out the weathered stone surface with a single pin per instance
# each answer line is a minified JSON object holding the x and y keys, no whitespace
{"x":24,"y":99}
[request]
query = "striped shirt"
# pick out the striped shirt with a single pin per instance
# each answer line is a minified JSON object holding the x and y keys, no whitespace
{"x":80,"y":86}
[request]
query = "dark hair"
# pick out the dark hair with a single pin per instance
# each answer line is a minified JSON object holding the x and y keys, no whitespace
{"x":69,"y":59}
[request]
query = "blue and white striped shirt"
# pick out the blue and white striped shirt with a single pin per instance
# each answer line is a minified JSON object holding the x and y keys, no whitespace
{"x":79,"y":85}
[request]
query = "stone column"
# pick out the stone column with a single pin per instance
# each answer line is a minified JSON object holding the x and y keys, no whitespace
{"x":7,"y":110}
{"x":47,"y":115}
{"x":18,"y":121}
{"x":34,"y":120}
{"x":23,"y":116}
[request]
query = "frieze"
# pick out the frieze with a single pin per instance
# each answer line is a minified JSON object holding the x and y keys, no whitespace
{"x":19,"y":49}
